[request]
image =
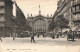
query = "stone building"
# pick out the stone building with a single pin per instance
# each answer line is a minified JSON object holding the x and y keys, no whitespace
{"x":64,"y":7}
{"x":76,"y":16}
{"x":76,"y":12}
{"x":39,"y":23}
{"x":70,"y":9}
{"x":5,"y":16}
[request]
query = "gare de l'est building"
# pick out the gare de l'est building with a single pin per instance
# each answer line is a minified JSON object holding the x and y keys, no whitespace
{"x":39,"y":23}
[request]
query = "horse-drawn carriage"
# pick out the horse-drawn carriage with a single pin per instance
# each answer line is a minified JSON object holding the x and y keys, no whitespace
{"x":73,"y":34}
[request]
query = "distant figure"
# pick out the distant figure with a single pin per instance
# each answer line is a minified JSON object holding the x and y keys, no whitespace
{"x":43,"y":35}
{"x":0,"y":39}
{"x":32,"y":38}
{"x":13,"y":36}
{"x":57,"y":35}
{"x":38,"y":35}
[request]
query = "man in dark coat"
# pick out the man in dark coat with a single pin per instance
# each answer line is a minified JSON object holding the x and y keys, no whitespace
{"x":32,"y":38}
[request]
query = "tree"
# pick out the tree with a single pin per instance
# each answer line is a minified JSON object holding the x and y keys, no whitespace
{"x":20,"y":19}
{"x":51,"y":28}
{"x":52,"y":25}
{"x":27,"y":27}
{"x":62,"y":22}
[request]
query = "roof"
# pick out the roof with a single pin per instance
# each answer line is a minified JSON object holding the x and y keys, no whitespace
{"x":31,"y":17}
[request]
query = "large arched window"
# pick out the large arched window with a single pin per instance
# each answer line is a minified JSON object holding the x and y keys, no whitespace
{"x":39,"y":24}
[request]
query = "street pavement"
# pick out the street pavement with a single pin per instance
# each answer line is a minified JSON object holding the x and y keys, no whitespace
{"x":41,"y":44}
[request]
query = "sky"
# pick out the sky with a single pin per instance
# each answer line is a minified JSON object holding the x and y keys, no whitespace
{"x":32,"y":7}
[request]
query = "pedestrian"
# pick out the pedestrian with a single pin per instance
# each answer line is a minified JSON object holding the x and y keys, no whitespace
{"x":0,"y":39}
{"x":73,"y":33}
{"x":38,"y":35}
{"x":43,"y":35}
{"x":32,"y":38}
{"x":13,"y":36}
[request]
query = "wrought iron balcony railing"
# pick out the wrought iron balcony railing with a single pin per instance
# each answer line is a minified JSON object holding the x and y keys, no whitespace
{"x":75,"y":12}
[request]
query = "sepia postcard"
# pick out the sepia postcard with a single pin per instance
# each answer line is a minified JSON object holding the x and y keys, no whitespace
{"x":39,"y":25}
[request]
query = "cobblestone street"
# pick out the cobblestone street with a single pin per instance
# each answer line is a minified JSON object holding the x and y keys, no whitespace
{"x":24,"y":44}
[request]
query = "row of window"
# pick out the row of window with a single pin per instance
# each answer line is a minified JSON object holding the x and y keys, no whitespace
{"x":75,"y":1}
{"x":76,"y":17}
{"x":39,"y":22}
{"x":77,"y":24}
{"x":76,"y":9}
{"x":39,"y":25}
{"x":39,"y":30}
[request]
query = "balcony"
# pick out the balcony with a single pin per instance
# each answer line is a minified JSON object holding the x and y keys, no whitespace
{"x":75,"y":12}
{"x":76,"y":19}
{"x":76,"y":3}
{"x":2,"y":4}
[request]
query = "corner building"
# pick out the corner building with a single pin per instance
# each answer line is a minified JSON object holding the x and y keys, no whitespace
{"x":76,"y":13}
{"x":5,"y":17}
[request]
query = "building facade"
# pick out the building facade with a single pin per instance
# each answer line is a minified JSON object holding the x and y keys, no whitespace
{"x":70,"y":9}
{"x":39,"y":23}
{"x":64,"y":7}
{"x":76,"y":13}
{"x":5,"y":16}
